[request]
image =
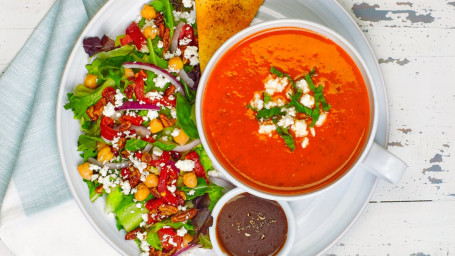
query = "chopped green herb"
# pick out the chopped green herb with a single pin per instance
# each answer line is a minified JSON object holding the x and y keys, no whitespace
{"x":276,"y":72}
{"x":287,"y":137}
{"x":268,"y":113}
{"x":267,"y":98}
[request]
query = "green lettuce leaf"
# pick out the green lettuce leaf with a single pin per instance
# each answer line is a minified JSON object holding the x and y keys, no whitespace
{"x":214,"y":191}
{"x":87,"y":145}
{"x":135,"y":144}
{"x":80,"y":104}
{"x":184,"y":117}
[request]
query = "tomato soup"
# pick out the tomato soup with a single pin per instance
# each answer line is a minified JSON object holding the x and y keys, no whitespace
{"x":265,"y":162}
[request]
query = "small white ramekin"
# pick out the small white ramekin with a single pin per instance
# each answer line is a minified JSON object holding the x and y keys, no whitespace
{"x":285,"y":250}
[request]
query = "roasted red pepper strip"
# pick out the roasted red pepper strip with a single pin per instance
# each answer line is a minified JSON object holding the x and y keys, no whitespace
{"x":154,"y":203}
{"x":139,"y":88}
{"x":162,"y":160}
{"x":106,"y":128}
{"x":162,"y":180}
{"x":198,"y":168}
{"x":187,"y":33}
{"x":167,"y":234}
{"x":125,"y":40}
{"x":135,"y":120}
{"x":148,"y":139}
{"x":135,"y":33}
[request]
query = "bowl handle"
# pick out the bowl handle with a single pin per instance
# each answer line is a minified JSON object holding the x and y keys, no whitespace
{"x":384,"y":164}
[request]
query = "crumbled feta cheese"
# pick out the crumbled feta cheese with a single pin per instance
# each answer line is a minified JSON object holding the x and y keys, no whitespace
{"x":178,"y":52}
{"x":152,"y":114}
{"x":115,"y":141}
{"x":109,"y":110}
{"x":118,"y":98}
{"x":303,"y":85}
{"x":191,"y":192}
{"x":290,"y":111}
{"x":267,"y":129}
{"x":192,"y":55}
{"x":153,"y":95}
{"x":313,"y":131}
{"x":321,"y":119}
{"x":190,"y":17}
{"x":300,"y":128}
{"x":126,"y":188}
{"x":94,"y":177}
{"x":160,"y":44}
{"x":145,"y":246}
{"x":257,"y":103}
{"x":171,"y":188}
{"x":185,"y":165}
{"x":278,"y":102}
{"x":305,"y":142}
{"x":286,"y":121}
{"x":289,"y":93}
{"x":137,"y":163}
{"x":157,"y":151}
{"x":273,"y":85}
{"x":174,"y":113}
{"x":187,"y":3}
{"x":182,"y":231}
{"x":181,"y":208}
{"x":172,"y":242}
{"x":307,"y":100}
{"x":185,"y":41}
{"x":160,"y":81}
{"x":168,"y":55}
{"x":175,"y":132}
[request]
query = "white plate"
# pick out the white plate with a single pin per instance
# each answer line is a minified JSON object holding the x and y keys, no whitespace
{"x":321,"y":221}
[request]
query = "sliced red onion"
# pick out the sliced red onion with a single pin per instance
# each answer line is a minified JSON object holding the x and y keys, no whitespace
{"x":141,"y":130}
{"x":175,"y":38}
{"x":186,"y":78}
{"x":172,"y":165}
{"x":187,"y":147}
{"x":221,"y":182}
{"x":157,"y":70}
{"x":105,"y":140}
{"x":148,"y":148}
{"x":136,"y":105}
{"x":184,"y":249}
{"x":111,"y":166}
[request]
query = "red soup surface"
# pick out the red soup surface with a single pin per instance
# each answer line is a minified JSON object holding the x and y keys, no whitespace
{"x":265,"y":162}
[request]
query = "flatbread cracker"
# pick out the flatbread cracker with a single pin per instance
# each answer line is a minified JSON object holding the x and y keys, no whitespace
{"x":218,"y":20}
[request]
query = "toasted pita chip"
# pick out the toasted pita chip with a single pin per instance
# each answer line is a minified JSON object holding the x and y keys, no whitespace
{"x":218,"y":20}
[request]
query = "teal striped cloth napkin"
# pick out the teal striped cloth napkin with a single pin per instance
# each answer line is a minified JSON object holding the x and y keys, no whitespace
{"x":28,"y":95}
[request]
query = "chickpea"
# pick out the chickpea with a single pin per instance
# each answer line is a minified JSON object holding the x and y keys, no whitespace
{"x":190,"y":180}
{"x":129,"y":72}
{"x":100,"y":145}
{"x":151,"y":181}
{"x":175,"y":64}
{"x":90,"y":81}
{"x":142,"y":192}
{"x":84,"y":171}
{"x":148,"y":12}
{"x":105,"y":155}
{"x":187,"y":238}
{"x":150,"y":32}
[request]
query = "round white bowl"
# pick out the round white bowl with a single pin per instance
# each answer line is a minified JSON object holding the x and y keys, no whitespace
{"x":318,"y":29}
{"x":285,"y":250}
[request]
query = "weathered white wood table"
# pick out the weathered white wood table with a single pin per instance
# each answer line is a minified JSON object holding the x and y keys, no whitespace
{"x":414,"y":42}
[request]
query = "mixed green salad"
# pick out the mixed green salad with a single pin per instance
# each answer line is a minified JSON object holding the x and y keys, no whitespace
{"x":139,"y":143}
